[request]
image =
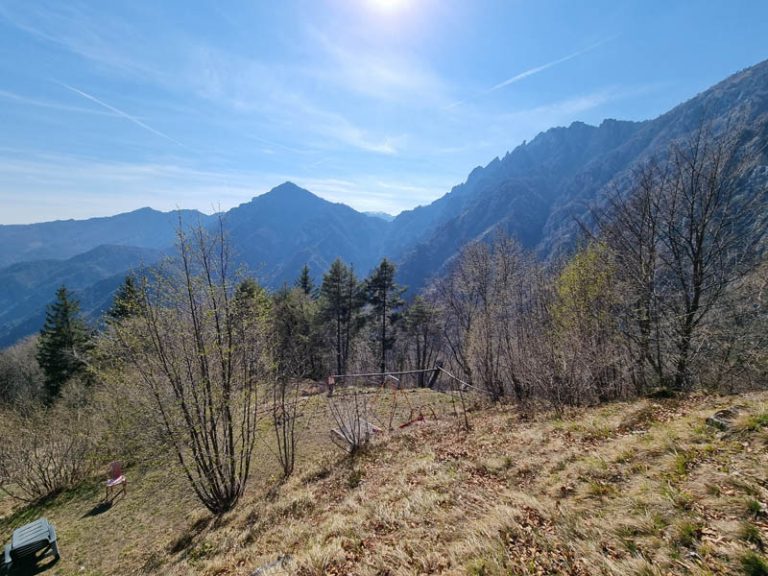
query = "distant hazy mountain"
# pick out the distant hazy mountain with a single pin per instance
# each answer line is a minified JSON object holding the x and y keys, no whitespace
{"x":383,"y":215}
{"x":26,"y":288}
{"x":273,"y":235}
{"x":537,"y":193}
{"x":276,"y":233}
{"x":143,"y":228}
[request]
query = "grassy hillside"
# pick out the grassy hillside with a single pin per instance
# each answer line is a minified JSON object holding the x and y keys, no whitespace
{"x":634,"y":488}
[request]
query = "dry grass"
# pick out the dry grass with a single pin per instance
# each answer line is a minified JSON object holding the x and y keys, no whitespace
{"x":638,"y":488}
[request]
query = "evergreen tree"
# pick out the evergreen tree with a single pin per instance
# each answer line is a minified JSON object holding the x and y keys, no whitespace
{"x":385,"y":300}
{"x":295,"y":338}
{"x":127,"y":302}
{"x":305,"y":282}
{"x":339,"y":306}
{"x":246,"y":293}
{"x":252,"y":305}
{"x":64,"y":342}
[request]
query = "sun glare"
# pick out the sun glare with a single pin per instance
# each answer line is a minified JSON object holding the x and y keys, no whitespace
{"x":387,"y":5}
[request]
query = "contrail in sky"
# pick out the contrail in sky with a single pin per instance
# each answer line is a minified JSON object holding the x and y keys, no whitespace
{"x":122,"y":114}
{"x":536,"y":70}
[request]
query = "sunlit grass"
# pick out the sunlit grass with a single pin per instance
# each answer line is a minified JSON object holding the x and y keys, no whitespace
{"x":632,"y":488}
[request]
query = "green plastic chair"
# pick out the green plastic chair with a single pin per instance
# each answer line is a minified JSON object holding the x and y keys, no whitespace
{"x":29,"y":541}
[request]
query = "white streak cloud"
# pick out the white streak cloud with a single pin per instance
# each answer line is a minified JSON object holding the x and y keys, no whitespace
{"x":122,"y":114}
{"x":533,"y":71}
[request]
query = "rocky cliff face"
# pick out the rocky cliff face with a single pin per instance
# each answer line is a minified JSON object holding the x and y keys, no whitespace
{"x":541,"y":190}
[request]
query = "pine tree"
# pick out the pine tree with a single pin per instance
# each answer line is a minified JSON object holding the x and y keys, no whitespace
{"x":385,"y":300}
{"x":252,"y":305}
{"x":64,"y":342}
{"x":339,"y":306}
{"x":294,"y":334}
{"x":127,"y":303}
{"x":305,"y":282}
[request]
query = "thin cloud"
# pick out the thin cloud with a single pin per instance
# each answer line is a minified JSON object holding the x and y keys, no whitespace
{"x":381,"y":75}
{"x":273,"y":91}
{"x":547,"y":66}
{"x":533,"y":71}
{"x":65,"y":186}
{"x":78,"y":31}
{"x":25,"y":100}
{"x":125,"y":115}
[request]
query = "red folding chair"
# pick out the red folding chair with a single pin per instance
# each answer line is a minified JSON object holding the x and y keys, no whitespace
{"x":116,"y":478}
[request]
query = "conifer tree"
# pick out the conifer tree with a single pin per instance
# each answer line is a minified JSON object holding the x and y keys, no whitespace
{"x":385,"y":299}
{"x":339,"y":306}
{"x":127,"y":302}
{"x":295,"y":338}
{"x":250,"y":296}
{"x":64,"y":342}
{"x":305,"y":282}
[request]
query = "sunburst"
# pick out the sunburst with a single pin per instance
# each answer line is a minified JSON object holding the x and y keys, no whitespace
{"x":388,"y":5}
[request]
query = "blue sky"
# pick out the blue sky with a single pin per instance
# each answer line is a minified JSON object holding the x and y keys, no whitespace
{"x":381,"y":104}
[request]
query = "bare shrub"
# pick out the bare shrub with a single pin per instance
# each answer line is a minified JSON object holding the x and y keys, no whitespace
{"x":293,"y":354}
{"x":285,"y":399}
{"x":21,"y":378}
{"x":197,"y":347}
{"x":130,"y":429}
{"x":350,"y":411}
{"x":46,"y":449}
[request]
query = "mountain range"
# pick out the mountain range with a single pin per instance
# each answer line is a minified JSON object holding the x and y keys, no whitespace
{"x":538,"y":193}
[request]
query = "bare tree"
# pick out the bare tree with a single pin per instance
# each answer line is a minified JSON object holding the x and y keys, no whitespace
{"x":466,"y":296}
{"x":735,"y":337}
{"x":488,"y":301}
{"x":518,"y":330}
{"x":292,"y":356}
{"x":423,"y":337}
{"x":631,"y":227}
{"x":514,"y":273}
{"x":198,"y":348}
{"x":688,"y":229}
{"x":711,"y":232}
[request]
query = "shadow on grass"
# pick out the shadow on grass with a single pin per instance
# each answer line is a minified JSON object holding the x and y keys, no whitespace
{"x":31,"y":566}
{"x":100,"y":508}
{"x":33,"y":510}
{"x":186,"y":539}
{"x":29,"y":512}
{"x":103,"y":506}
